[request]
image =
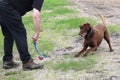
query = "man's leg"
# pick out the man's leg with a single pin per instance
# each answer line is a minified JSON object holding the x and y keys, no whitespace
{"x":18,"y":32}
{"x":8,"y":43}
{"x":13,"y":22}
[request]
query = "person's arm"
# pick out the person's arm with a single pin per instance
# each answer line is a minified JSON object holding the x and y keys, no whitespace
{"x":36,"y":22}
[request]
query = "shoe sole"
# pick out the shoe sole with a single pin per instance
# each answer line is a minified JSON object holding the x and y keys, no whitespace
{"x":28,"y":68}
{"x":7,"y":67}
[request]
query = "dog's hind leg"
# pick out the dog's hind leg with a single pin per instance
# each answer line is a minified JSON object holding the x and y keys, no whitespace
{"x":107,"y":38}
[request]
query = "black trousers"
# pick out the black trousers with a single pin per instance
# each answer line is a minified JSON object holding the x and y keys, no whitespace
{"x":13,"y":30}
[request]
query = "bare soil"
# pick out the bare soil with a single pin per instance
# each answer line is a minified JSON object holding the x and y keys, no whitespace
{"x":90,"y":8}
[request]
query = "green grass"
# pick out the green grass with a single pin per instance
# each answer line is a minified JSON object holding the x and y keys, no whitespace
{"x":48,"y":5}
{"x":77,"y":65}
{"x":46,"y":45}
{"x":62,"y":10}
{"x":114,"y":28}
{"x":17,"y":75}
{"x":1,"y":36}
{"x":72,"y":23}
{"x":27,"y":20}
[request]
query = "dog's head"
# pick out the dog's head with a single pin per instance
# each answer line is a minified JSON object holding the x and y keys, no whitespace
{"x":85,"y":29}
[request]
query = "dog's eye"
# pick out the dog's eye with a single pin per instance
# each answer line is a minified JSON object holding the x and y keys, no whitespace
{"x":81,"y":27}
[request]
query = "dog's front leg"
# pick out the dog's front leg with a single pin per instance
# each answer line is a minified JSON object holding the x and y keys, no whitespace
{"x":82,"y":51}
{"x":90,"y":50}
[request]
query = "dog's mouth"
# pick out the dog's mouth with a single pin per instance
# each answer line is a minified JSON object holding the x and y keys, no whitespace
{"x":83,"y":34}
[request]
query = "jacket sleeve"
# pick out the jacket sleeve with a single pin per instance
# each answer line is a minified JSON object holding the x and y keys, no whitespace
{"x":37,"y":4}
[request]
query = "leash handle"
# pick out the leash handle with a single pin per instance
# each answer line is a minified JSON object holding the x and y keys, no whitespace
{"x":35,"y":46}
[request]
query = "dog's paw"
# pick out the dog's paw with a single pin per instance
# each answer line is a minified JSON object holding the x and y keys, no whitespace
{"x":76,"y":55}
{"x":84,"y":55}
{"x":111,"y":50}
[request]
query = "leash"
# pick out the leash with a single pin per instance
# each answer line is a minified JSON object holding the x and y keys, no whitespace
{"x":41,"y":56}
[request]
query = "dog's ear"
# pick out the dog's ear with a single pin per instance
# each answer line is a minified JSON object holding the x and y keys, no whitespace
{"x":80,"y":26}
{"x":87,"y":24}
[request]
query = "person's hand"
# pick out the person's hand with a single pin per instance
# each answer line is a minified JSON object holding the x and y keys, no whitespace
{"x":35,"y":37}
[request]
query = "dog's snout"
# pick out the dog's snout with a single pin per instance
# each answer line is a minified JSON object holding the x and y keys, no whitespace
{"x":79,"y":34}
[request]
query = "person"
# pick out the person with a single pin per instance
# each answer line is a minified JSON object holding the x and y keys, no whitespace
{"x":11,"y":12}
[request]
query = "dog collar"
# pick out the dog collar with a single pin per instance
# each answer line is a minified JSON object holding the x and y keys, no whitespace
{"x":89,"y":33}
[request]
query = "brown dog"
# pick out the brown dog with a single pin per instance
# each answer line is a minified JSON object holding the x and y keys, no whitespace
{"x":93,"y":36}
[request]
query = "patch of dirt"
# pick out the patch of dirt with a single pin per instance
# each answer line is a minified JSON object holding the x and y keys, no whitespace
{"x":90,"y":8}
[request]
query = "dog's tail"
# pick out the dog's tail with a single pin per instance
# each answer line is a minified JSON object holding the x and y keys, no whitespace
{"x":103,"y":19}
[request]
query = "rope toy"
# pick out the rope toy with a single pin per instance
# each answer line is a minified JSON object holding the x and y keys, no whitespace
{"x":41,"y":56}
